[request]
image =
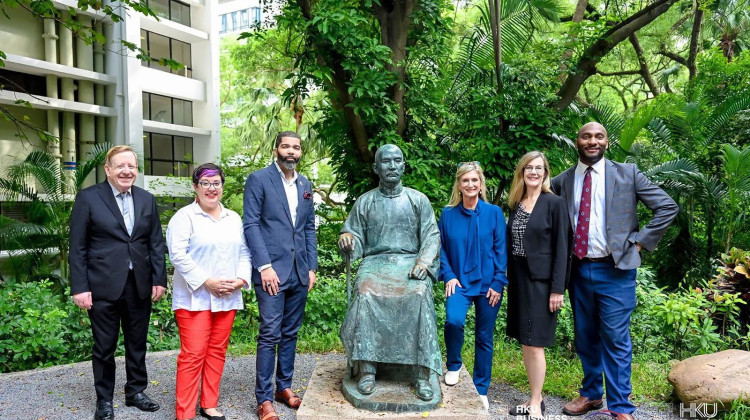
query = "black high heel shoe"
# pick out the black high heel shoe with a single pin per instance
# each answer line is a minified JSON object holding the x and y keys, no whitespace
{"x":210,"y":417}
{"x":542,"y":416}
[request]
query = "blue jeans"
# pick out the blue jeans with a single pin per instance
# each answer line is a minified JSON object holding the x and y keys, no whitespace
{"x":456,"y":308}
{"x":603,"y":298}
{"x":280,"y":319}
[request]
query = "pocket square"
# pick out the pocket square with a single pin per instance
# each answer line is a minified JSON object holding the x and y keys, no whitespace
{"x":306,"y":195}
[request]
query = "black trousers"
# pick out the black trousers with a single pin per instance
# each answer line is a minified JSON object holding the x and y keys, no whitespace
{"x":106,"y":316}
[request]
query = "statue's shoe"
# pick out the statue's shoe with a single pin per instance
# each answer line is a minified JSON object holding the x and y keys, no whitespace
{"x":423,"y":390}
{"x":366,"y":384}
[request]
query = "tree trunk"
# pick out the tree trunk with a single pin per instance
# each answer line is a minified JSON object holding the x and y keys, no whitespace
{"x":497,"y":46}
{"x":577,"y":18}
{"x":356,"y":125}
{"x":644,"y":72}
{"x":695,"y":40}
{"x":586,"y":65}
{"x":394,"y":17}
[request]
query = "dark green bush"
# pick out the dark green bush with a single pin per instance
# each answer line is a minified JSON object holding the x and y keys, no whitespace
{"x":40,"y":328}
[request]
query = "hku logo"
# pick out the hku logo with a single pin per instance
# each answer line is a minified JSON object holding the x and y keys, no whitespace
{"x":700,"y":410}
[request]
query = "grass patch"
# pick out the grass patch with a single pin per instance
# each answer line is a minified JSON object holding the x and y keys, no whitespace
{"x":649,"y":379}
{"x":563,"y":372}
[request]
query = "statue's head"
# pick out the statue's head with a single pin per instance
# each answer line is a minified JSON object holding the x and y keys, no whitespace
{"x":389,"y":163}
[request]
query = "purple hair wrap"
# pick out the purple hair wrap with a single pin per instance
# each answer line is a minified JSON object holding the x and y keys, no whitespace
{"x":208,"y":173}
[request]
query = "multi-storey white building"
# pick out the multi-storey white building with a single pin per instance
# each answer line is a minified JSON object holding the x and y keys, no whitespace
{"x":236,"y":16}
{"x":88,"y":94}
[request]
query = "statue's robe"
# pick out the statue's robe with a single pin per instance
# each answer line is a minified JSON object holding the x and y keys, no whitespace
{"x":391,"y":318}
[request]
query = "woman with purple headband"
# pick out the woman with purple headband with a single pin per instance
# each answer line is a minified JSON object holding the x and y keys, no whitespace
{"x":212,"y":263}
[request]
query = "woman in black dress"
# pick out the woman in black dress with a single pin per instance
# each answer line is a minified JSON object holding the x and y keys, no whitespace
{"x":538,"y":251}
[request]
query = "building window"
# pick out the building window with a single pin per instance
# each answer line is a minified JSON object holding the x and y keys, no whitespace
{"x":170,"y":9}
{"x":223,"y":24}
{"x":244,"y":19}
{"x":239,"y":20}
{"x":166,"y":155}
{"x":167,"y":110}
{"x":160,"y":46}
{"x":23,"y":82}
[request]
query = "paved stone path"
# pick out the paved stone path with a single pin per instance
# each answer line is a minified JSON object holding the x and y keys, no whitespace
{"x":67,"y":393}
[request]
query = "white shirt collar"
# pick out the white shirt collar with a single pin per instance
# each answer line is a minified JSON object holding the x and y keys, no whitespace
{"x":598,"y":167}
{"x":116,"y":192}
{"x":283,"y":176}
{"x":198,"y":210}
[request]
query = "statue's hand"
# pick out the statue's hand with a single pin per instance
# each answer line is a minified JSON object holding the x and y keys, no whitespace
{"x":346,"y":243}
{"x":418,"y":272}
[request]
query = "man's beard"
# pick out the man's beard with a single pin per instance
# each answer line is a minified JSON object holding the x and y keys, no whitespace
{"x":590,"y":160}
{"x":290,"y":164}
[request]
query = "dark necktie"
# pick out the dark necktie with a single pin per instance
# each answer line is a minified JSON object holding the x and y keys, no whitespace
{"x":584,"y":213}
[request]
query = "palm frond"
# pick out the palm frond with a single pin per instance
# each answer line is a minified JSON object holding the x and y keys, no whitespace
{"x":736,"y":167}
{"x":43,"y":168}
{"x":15,"y":234}
{"x":17,"y":191}
{"x":659,"y":107}
{"x":519,"y":20}
{"x":609,"y":117}
{"x":681,"y":166}
{"x":85,"y":167}
{"x":727,"y":109}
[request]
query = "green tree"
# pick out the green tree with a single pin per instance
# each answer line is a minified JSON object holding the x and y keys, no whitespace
{"x":38,"y":181}
{"x":367,"y":56}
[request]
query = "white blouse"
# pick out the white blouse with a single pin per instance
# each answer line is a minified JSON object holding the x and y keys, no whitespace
{"x":201,"y":247}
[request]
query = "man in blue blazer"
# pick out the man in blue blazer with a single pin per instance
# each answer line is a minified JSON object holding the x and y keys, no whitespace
{"x":602,"y":198}
{"x":279,"y":224}
{"x":116,"y":270}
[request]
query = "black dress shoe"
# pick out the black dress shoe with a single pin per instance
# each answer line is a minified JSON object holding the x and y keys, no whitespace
{"x":210,"y":417}
{"x":104,"y":411}
{"x":142,"y":402}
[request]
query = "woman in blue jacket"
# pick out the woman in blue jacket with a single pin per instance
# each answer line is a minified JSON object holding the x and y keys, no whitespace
{"x":473,"y":260}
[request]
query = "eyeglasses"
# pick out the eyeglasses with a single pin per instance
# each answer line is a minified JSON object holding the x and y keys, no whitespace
{"x":537,"y":169}
{"x":207,"y":185}
{"x":474,"y":162}
{"x":122,"y":166}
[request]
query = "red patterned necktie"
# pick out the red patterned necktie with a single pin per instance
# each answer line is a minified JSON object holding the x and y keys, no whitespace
{"x":584,"y":213}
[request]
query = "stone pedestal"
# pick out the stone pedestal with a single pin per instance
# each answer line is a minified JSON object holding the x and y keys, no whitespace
{"x":324,"y":399}
{"x":393,"y":391}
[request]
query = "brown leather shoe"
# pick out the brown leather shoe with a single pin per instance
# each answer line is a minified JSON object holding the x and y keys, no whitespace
{"x":267,"y":412}
{"x":289,"y":398}
{"x":581,"y":405}
{"x":624,"y":417}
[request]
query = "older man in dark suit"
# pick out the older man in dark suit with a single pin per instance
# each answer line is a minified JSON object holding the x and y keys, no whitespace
{"x":116,"y":269}
{"x":279,"y":224}
{"x":602,"y":199}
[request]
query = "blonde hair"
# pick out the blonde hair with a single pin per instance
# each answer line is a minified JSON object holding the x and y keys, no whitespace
{"x":116,"y":150}
{"x":463,"y":169}
{"x":518,"y":186}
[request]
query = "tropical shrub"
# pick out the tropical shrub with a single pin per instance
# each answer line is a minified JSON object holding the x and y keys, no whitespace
{"x":44,"y":234}
{"x":39,"y":327}
{"x":732,"y":284}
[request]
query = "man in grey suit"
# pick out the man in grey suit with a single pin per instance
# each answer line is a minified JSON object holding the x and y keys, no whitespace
{"x":279,"y":223}
{"x":602,"y":199}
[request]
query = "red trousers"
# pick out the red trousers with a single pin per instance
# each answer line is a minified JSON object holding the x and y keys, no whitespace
{"x":204,"y":337}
